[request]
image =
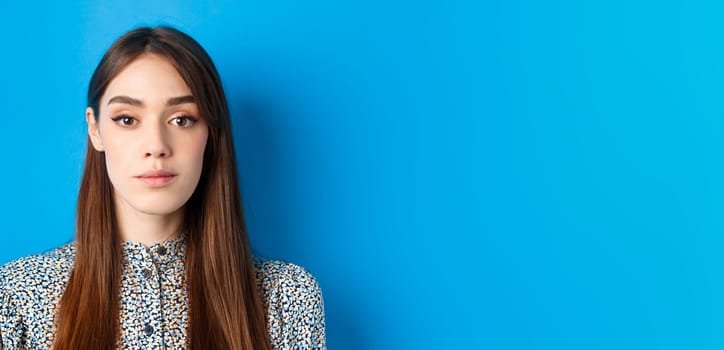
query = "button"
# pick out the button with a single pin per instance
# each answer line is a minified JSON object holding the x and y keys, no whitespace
{"x":161,"y":250}
{"x":148,"y":330}
{"x":147,"y":273}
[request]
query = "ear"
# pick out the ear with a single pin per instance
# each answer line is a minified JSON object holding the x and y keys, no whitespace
{"x":93,"y":131}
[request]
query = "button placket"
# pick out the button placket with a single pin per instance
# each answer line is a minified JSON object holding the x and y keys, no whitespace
{"x":151,"y":300}
{"x":145,"y":309}
{"x":148,"y":330}
{"x":149,"y":272}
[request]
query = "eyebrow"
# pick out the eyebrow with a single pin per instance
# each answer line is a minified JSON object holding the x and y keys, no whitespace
{"x":173,"y":101}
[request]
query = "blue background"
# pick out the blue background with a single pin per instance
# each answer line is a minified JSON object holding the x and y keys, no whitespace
{"x":457,"y":174}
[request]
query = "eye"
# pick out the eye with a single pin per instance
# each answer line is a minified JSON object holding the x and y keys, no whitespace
{"x":125,"y":120}
{"x":183,"y":121}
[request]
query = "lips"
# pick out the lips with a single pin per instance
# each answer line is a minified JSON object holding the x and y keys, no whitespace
{"x":157,"y":178}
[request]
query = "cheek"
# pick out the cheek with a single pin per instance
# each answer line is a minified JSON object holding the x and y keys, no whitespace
{"x":113,"y":149}
{"x":117,"y":162}
{"x":119,"y":149}
{"x":198,"y":154}
{"x":190,"y":152}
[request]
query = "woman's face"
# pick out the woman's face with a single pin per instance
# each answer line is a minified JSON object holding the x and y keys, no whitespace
{"x":152,"y":135}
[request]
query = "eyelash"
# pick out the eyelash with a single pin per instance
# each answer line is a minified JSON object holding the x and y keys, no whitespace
{"x":187,"y":118}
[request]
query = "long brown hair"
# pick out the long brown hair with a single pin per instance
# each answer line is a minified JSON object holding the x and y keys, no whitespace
{"x":225,"y":308}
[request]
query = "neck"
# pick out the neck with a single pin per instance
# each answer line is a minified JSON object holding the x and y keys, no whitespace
{"x":147,"y":228}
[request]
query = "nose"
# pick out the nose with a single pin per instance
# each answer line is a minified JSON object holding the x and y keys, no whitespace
{"x":156,"y":143}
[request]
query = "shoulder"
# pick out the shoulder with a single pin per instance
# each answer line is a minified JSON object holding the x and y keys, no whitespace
{"x":44,"y":270}
{"x":285,"y":275}
{"x":282,"y":281}
{"x":29,"y":290}
{"x":295,"y":307}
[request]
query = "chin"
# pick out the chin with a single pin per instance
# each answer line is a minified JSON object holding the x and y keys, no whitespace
{"x":160,"y":202}
{"x":158,"y":211}
{"x":157,"y":205}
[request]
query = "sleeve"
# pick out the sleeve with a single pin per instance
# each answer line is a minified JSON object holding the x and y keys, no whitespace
{"x":5,"y":305}
{"x":11,"y":326}
{"x":303,"y":310}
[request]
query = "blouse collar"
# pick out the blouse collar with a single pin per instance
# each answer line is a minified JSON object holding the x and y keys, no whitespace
{"x":170,"y":249}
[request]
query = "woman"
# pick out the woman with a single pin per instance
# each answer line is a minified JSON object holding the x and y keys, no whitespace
{"x":161,"y":257}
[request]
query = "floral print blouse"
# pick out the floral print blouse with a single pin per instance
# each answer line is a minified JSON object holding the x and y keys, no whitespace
{"x":154,"y":304}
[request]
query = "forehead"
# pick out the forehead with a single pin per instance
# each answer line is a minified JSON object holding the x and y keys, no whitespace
{"x":150,"y":78}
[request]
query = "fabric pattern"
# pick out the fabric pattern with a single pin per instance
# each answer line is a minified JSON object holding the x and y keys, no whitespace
{"x":154,"y":303}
